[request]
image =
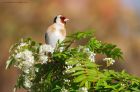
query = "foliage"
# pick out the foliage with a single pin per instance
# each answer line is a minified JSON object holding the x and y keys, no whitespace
{"x":67,"y":69}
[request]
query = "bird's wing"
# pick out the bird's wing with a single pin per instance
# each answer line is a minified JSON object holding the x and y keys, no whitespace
{"x":46,"y":38}
{"x":49,"y":31}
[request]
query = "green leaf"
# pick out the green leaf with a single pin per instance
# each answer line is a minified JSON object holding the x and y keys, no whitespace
{"x":71,"y":61}
{"x":10,"y":62}
{"x":91,"y":64}
{"x":80,"y":78}
{"x":94,"y":44}
{"x":76,"y":68}
{"x":80,"y":35}
{"x":78,"y":73}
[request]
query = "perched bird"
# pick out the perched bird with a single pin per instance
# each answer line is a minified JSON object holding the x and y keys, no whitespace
{"x":56,"y":31}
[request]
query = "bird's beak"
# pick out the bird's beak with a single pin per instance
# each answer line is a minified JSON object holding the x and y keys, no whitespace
{"x":66,"y":19}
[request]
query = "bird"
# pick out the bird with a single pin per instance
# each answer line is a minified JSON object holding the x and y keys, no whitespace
{"x":57,"y":31}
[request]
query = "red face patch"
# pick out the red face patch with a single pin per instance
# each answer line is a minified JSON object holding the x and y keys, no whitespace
{"x":62,"y":19}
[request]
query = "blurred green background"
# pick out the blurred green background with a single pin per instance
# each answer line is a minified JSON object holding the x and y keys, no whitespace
{"x":115,"y":21}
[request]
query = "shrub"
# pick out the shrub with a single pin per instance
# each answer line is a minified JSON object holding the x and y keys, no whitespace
{"x":67,"y":69}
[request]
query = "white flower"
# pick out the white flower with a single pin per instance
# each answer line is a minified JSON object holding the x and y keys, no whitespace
{"x":27,"y":83}
{"x":45,"y":49}
{"x":66,"y":80}
{"x":83,"y":89}
{"x":122,"y":84}
{"x":43,"y":58}
{"x":92,"y":57}
{"x":37,"y":69}
{"x":68,"y":69}
{"x":22,"y":45}
{"x":18,"y":55}
{"x":61,"y":49}
{"x":78,"y":64}
{"x":43,"y":52}
{"x":110,"y":61}
{"x":64,"y":90}
{"x":26,"y":57}
{"x":26,"y":70}
{"x":86,"y":50}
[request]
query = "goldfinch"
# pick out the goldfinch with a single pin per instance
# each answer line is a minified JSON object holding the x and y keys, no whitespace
{"x":56,"y":31}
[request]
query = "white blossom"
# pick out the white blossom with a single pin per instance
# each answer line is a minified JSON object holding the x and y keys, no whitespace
{"x":83,"y":89}
{"x":110,"y":61}
{"x":122,"y":84}
{"x":92,"y":57}
{"x":43,"y":52}
{"x":64,"y":90}
{"x":22,"y":45}
{"x":45,"y":49}
{"x":18,"y":55}
{"x":66,"y":80}
{"x":25,"y":60}
{"x":37,"y":69}
{"x":68,"y":69}
{"x":86,"y":50}
{"x":78,"y":64}
{"x":26,"y":56}
{"x":26,"y":70}
{"x":61,"y":49}
{"x":43,"y":58}
{"x":27,"y":83}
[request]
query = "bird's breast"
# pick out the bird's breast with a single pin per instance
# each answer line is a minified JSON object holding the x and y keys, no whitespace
{"x":56,"y":35}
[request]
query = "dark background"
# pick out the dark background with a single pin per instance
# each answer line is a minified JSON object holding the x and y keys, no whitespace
{"x":115,"y":21}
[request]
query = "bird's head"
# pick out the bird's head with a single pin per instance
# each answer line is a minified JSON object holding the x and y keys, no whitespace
{"x":60,"y":19}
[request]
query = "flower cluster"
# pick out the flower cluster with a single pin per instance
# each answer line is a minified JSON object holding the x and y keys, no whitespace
{"x":26,"y":58}
{"x":83,"y":89}
{"x":90,"y":54}
{"x":109,"y":61}
{"x":67,"y":71}
{"x":64,"y":90}
{"x":44,"y":51}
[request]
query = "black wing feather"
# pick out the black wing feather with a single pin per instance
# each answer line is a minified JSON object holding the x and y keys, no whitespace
{"x":46,"y":38}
